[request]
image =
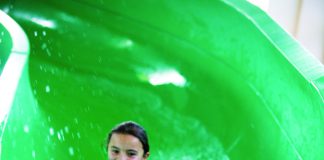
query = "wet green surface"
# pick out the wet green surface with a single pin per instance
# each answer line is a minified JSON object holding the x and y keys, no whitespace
{"x":203,"y":80}
{"x":5,"y":46}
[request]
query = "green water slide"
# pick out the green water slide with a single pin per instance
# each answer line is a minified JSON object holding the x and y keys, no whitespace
{"x":209,"y":80}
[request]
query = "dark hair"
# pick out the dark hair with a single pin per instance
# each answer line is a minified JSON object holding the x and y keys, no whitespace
{"x":133,"y":129}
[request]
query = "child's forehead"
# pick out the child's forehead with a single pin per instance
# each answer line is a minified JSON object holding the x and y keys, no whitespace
{"x":125,"y":142}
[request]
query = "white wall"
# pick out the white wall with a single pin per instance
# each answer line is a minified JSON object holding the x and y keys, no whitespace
{"x":303,"y":19}
{"x":311,"y":27}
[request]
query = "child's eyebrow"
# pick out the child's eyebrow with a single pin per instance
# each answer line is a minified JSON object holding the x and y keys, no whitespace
{"x":114,"y":147}
{"x":131,"y":150}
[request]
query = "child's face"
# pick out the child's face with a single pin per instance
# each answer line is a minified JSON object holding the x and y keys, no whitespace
{"x":125,"y":147}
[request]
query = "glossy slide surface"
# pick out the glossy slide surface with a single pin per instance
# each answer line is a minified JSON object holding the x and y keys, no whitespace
{"x":208,"y":80}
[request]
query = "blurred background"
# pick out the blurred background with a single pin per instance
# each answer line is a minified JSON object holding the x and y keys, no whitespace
{"x":303,"y":19}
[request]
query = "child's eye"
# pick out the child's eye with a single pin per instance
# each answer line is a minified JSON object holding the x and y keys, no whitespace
{"x":131,"y":154}
{"x":115,"y":151}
